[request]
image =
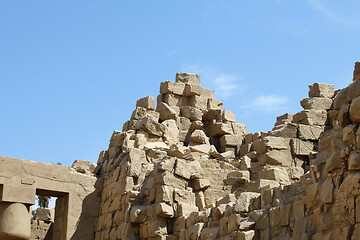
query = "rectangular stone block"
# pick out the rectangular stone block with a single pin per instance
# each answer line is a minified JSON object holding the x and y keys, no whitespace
{"x":189,"y":78}
{"x":172,"y":87}
{"x":146,"y":102}
{"x":18,"y":193}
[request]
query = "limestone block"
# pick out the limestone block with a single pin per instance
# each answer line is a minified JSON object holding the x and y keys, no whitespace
{"x":151,"y":126}
{"x":311,"y":117}
{"x":238,"y":177}
{"x":164,"y":194}
{"x":296,"y":172}
{"x":199,"y":136}
{"x":218,"y":211}
{"x":18,"y":193}
{"x":245,"y":235}
{"x":259,"y":146}
{"x":287,"y":117}
{"x":244,"y":200}
{"x":228,"y":116}
{"x":278,"y":174}
{"x":184,"y":209}
{"x":156,"y":228}
{"x":301,"y":147}
{"x":229,"y":152}
{"x":219,"y":129}
{"x":355,"y":110}
{"x":141,"y":112}
{"x":198,"y":90}
{"x":354,"y":161}
{"x":229,"y":198}
{"x":81,"y":166}
{"x":214,"y":104}
{"x":201,"y":148}
{"x":353,"y":90}
{"x":286,"y":130}
{"x":198,"y":102}
{"x":113,"y":152}
{"x":171,"y":133}
{"x":184,"y":125}
{"x":169,"y":179}
{"x":146,"y":102}
{"x":45,"y":214}
{"x":245,"y":163}
{"x":177,"y":150}
{"x":212,"y":115}
{"x":189,"y":78}
{"x":175,"y":100}
{"x":103,"y":156}
{"x":200,"y":184}
{"x":140,"y":140}
{"x":183,"y":169}
{"x":138,"y":214}
{"x":316,"y":103}
{"x":200,"y":200}
{"x":156,"y":145}
{"x":233,"y":222}
{"x":309,"y":132}
{"x":321,"y":90}
{"x":210,"y":233}
{"x":278,"y":157}
{"x":192,"y":113}
{"x":179,"y":224}
{"x":284,"y":215}
{"x":177,"y":88}
{"x":341,"y":98}
{"x":224,"y":226}
{"x":193,"y":233}
{"x":246,"y":224}
{"x":184,"y":196}
{"x":344,"y":116}
{"x":165,"y":111}
{"x":261,"y":219}
{"x":164,"y":210}
{"x":231,"y":140}
{"x":245,"y":149}
{"x":348,"y":133}
{"x":274,"y":214}
{"x":276,"y":142}
{"x":259,"y":184}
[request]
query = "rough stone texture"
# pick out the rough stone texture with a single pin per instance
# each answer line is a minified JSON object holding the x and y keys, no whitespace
{"x":190,"y":172}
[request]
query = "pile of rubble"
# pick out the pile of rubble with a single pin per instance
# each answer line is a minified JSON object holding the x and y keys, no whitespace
{"x":184,"y":169}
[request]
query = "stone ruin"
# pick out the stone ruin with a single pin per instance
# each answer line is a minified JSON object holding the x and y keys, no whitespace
{"x":184,"y":169}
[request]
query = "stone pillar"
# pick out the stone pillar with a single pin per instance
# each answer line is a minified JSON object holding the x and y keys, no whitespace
{"x":14,"y":221}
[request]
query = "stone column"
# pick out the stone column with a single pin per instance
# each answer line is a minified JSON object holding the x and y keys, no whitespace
{"x":14,"y":221}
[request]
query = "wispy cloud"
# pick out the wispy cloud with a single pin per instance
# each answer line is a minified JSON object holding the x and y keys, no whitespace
{"x":224,"y":84}
{"x":335,"y":16}
{"x":267,"y":103}
{"x":174,"y":52}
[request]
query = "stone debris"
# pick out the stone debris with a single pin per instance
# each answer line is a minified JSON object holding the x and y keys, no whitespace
{"x":185,"y":169}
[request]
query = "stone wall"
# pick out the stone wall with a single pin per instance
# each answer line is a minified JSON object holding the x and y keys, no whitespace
{"x":186,"y":170}
{"x":77,"y":205}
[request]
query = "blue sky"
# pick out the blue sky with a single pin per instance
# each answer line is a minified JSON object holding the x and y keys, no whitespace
{"x":71,"y":71}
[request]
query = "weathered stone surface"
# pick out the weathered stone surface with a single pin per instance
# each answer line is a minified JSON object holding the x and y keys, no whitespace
{"x":275,"y":173}
{"x":309,"y":132}
{"x":316,"y":103}
{"x":146,"y":102}
{"x":354,"y":110}
{"x":301,"y":147}
{"x":321,"y":90}
{"x":278,"y":157}
{"x":191,"y":113}
{"x":311,"y":117}
{"x":189,"y":78}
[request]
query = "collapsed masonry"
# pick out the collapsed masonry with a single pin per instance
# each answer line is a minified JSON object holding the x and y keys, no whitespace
{"x":187,"y":170}
{"x":184,"y":169}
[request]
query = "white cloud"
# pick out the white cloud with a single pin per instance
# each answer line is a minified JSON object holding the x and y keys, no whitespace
{"x":269,"y":103}
{"x":174,"y":52}
{"x":345,"y":19}
{"x":224,"y":84}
